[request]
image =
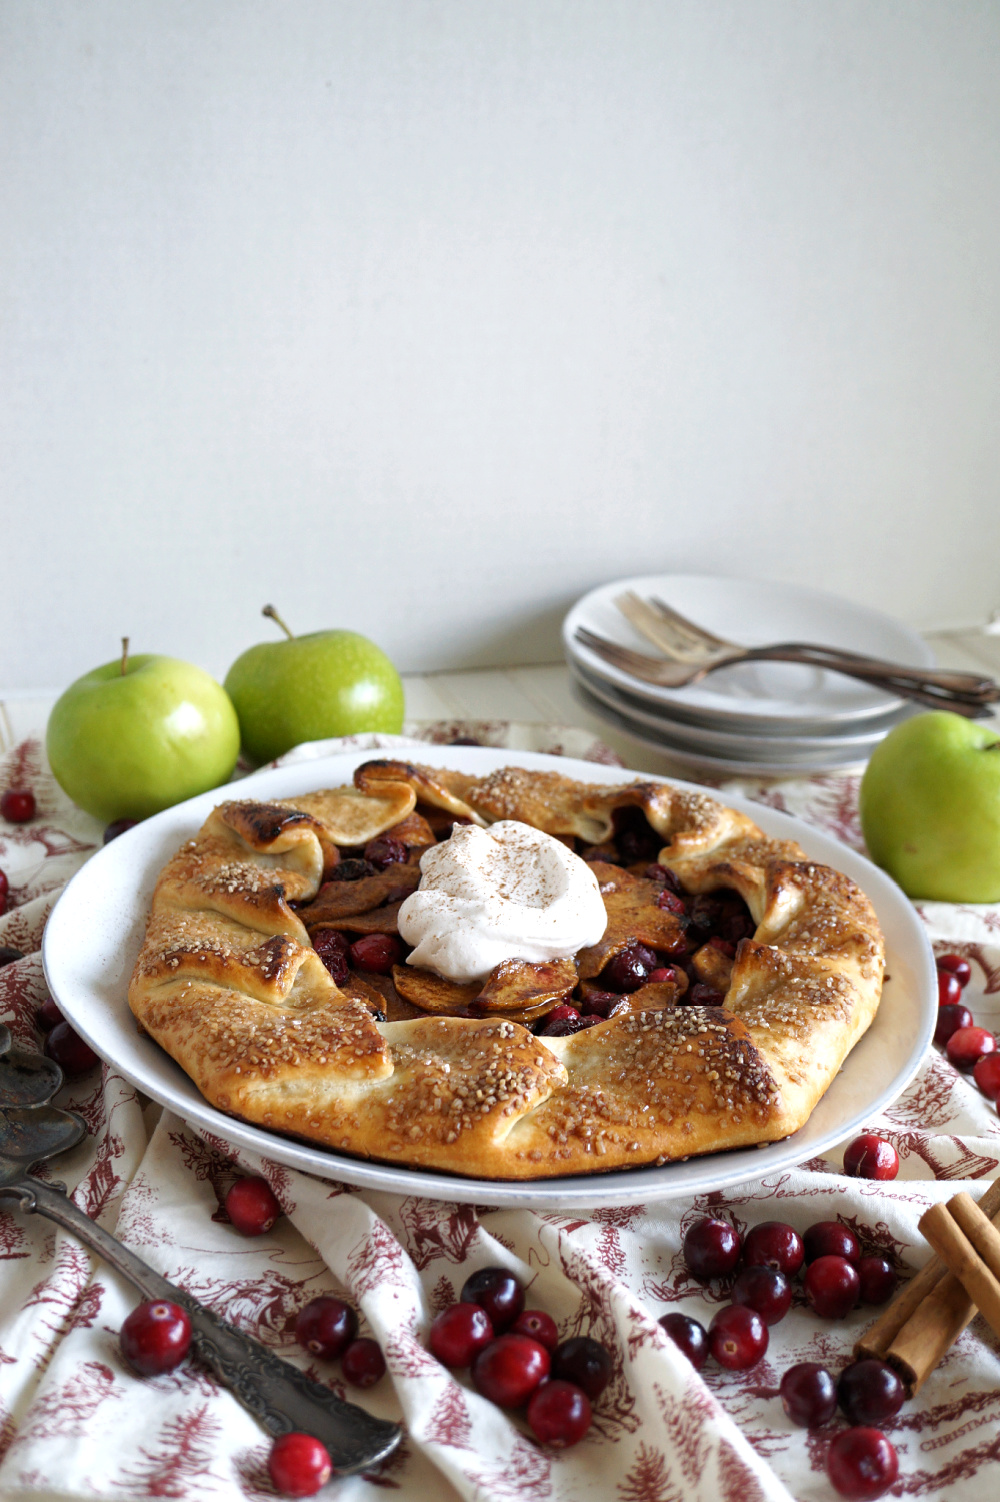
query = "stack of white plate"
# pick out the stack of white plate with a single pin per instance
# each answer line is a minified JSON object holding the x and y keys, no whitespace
{"x":757,"y":717}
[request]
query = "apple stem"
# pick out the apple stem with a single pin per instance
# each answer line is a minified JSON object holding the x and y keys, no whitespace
{"x":124,"y":654}
{"x":273,"y":615}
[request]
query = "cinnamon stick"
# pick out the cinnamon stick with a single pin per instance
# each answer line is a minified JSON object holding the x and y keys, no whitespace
{"x":957,"y":1251}
{"x":983,"y":1234}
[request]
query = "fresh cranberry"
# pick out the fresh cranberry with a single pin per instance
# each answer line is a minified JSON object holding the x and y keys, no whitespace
{"x":385,"y":851}
{"x":955,"y":965}
{"x":332,"y":948}
{"x":737,"y":1337}
{"x":949,"y":1020}
{"x":252,"y":1207}
{"x":566,"y":1026}
{"x":460,"y":1333}
{"x":869,"y":1392}
{"x":117,"y":827}
{"x":155,"y":1337}
{"x":861,"y":1464}
{"x":17,"y":805}
{"x":559,"y":1414}
{"x":878,"y":1280}
{"x":764,"y":1290}
{"x":299,"y":1465}
{"x":663,"y":975}
{"x":832,"y":1286}
{"x":363,"y":1363}
{"x":701,"y":995}
{"x":48,"y":1015}
{"x":967,"y":1046}
{"x":351,"y":870}
{"x":508,"y":1370}
{"x":325,"y":1327}
{"x":774,"y":1244}
{"x":688,"y":1336}
{"x":603,"y":1004}
{"x":585,"y":1362}
{"x":377,"y":953}
{"x":4,"y":891}
{"x":828,"y":1238}
{"x":562,"y":1013}
{"x":69,"y":1051}
{"x":949,"y":988}
{"x":711,"y":1248}
{"x":629,"y":968}
{"x":871,"y":1157}
{"x":670,"y":901}
{"x":498,"y":1292}
{"x":539,"y":1325}
{"x":986,"y":1073}
{"x":808,"y":1394}
{"x":8,"y":954}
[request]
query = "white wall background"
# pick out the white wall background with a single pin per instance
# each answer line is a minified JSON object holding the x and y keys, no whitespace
{"x":423,"y":316}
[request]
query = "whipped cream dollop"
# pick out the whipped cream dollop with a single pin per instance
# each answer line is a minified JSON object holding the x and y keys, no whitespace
{"x":502,"y":893}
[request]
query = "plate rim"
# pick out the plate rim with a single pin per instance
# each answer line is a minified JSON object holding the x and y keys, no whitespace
{"x":646,"y":1185}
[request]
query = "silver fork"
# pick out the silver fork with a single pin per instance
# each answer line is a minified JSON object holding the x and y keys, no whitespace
{"x":684,"y":641}
{"x":681,"y":674}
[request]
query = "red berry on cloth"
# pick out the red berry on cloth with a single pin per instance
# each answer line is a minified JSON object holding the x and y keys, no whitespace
{"x":776,"y":1245}
{"x":17,"y":805}
{"x":69,"y":1051}
{"x":954,"y":964}
{"x":325,"y":1327}
{"x":832,"y":1286}
{"x":869,"y":1392}
{"x":559,"y":1414}
{"x":688,"y":1336}
{"x":539,"y":1325}
{"x":4,"y":891}
{"x":949,"y":1020}
{"x":711,"y":1248}
{"x":737,"y":1338}
{"x":377,"y":953}
{"x":508,"y":1370}
{"x":861,"y":1464}
{"x":764,"y":1290}
{"x":967,"y":1045}
{"x":808,"y":1394}
{"x":252,"y":1207}
{"x":155,"y":1337}
{"x":48,"y":1015}
{"x":871,"y":1157}
{"x":498,"y":1292}
{"x":460,"y":1333}
{"x":828,"y":1238}
{"x":949,"y":988}
{"x":585,"y":1363}
{"x":986,"y":1073}
{"x":363,"y":1363}
{"x":299,"y":1465}
{"x":878,"y":1280}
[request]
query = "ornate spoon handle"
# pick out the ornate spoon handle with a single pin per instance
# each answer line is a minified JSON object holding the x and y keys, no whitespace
{"x":276,"y":1393}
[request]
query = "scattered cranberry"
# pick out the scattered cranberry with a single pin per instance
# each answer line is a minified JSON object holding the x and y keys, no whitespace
{"x":562,"y":1013}
{"x":869,"y":1392}
{"x":299,"y":1465}
{"x":861,"y":1464}
{"x":325,"y":1327}
{"x":8,"y":954}
{"x":828,"y":1238}
{"x":385,"y":851}
{"x":809,"y":1394}
{"x":776,"y":1245}
{"x":711,"y":1248}
{"x":871,"y":1157}
{"x":832,"y":1286}
{"x":498,"y":1292}
{"x":460,"y":1333}
{"x":949,"y":1020}
{"x":967,"y":1046}
{"x":155,"y":1337}
{"x":332,"y":948}
{"x":764,"y":1290}
{"x":878,"y":1280}
{"x":351,"y":870}
{"x":363,"y":1363}
{"x":955,"y":965}
{"x":539,"y":1325}
{"x":48,"y":1015}
{"x":117,"y":827}
{"x":701,"y":995}
{"x":949,"y":988}
{"x":629,"y":968}
{"x":69,"y":1051}
{"x":737,"y":1337}
{"x":688,"y":1336}
{"x":559,"y":1414}
{"x":584,"y":1362}
{"x":566,"y":1026}
{"x":670,"y":901}
{"x":4,"y":891}
{"x":508,"y":1370}
{"x":986,"y":1073}
{"x":251,"y":1206}
{"x":376,"y":952}
{"x":17,"y":805}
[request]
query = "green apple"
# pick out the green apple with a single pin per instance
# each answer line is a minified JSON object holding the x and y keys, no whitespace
{"x":140,"y":734}
{"x":930,"y":808}
{"x":306,"y":688}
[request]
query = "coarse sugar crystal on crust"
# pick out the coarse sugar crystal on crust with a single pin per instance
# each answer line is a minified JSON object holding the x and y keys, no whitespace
{"x":228,"y":982}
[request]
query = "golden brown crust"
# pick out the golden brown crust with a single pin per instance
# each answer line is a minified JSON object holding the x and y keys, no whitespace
{"x":228,"y":982}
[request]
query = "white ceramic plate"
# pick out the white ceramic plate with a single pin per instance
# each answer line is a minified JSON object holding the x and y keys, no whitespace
{"x":780,"y":697}
{"x":95,"y":931}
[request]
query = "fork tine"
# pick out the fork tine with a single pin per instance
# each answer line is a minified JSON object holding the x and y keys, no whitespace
{"x":650,"y":669}
{"x":650,"y":624}
{"x":698,"y":635}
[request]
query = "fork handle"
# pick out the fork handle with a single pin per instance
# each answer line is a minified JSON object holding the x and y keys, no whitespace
{"x":950,"y":681}
{"x":278,"y":1395}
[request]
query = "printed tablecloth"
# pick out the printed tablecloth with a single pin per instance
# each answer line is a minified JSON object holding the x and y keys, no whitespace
{"x":75,"y":1423}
